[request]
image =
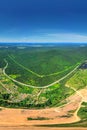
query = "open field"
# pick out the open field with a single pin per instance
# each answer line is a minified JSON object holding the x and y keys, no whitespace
{"x":79,"y":80}
{"x":66,"y":113}
{"x":40,"y":128}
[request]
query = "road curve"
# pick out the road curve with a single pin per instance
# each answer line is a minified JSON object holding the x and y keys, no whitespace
{"x":36,"y":74}
{"x":47,"y":86}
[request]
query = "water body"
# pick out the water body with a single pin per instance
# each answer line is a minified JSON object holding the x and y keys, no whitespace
{"x":83,"y":66}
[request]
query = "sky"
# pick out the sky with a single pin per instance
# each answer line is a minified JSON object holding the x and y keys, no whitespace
{"x":43,"y":21}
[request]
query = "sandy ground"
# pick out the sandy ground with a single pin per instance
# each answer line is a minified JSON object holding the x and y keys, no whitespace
{"x":40,"y":128}
{"x":13,"y":119}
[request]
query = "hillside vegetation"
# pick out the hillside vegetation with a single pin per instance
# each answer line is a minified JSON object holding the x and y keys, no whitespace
{"x":39,"y":67}
{"x":79,"y":79}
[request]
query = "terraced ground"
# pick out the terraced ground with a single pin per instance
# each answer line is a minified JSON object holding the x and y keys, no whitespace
{"x":57,"y":68}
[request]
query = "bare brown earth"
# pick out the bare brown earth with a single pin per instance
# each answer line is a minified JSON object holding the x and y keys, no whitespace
{"x":40,"y":128}
{"x":13,"y":118}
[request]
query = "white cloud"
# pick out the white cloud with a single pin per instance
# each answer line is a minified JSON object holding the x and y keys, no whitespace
{"x":50,"y":37}
{"x":67,"y":37}
{"x":57,"y":37}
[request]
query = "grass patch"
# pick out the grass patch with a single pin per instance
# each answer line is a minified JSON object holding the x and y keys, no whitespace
{"x":82,"y":113}
{"x":38,"y":118}
{"x":1,"y":109}
{"x":78,"y":80}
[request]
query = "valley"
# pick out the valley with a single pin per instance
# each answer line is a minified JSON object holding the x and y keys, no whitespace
{"x":43,"y":87}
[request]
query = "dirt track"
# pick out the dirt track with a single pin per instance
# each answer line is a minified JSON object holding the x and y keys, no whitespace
{"x":13,"y":118}
{"x":40,"y":128}
{"x":58,"y":115}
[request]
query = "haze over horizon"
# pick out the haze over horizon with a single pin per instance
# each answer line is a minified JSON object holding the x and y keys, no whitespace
{"x":43,"y":21}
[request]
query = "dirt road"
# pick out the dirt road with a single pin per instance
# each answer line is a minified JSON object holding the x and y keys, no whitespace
{"x":13,"y":119}
{"x":40,"y":128}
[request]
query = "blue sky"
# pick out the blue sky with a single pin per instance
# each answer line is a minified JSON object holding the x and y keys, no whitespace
{"x":43,"y":20}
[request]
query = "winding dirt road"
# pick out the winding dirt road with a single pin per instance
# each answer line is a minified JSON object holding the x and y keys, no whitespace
{"x":58,"y":115}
